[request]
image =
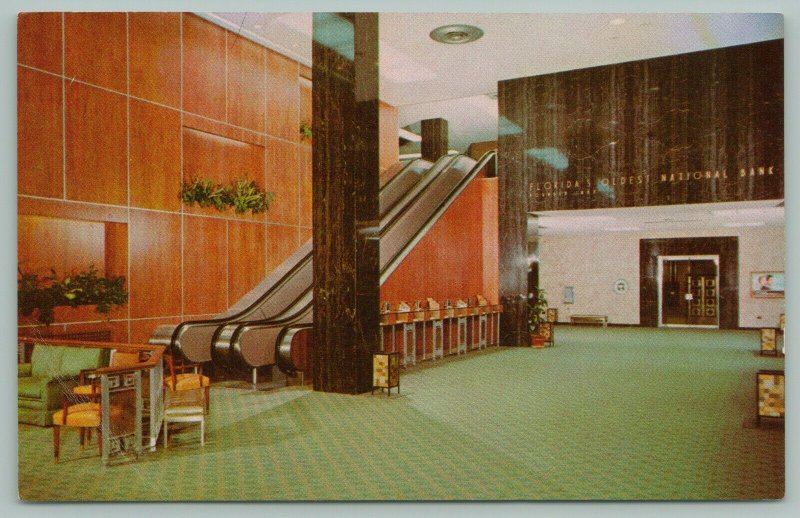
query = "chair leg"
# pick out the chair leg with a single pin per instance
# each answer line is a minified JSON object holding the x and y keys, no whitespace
{"x":208,"y":399}
{"x":56,"y":441}
{"x":203,"y":432}
{"x":89,"y":435}
{"x":83,"y":438}
{"x":165,"y":433}
{"x":100,"y":441}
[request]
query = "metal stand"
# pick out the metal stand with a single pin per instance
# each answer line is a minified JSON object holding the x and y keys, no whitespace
{"x":410,"y":328}
{"x":461,"y":341}
{"x":437,"y":334}
{"x":279,"y":380}
{"x":482,"y":331}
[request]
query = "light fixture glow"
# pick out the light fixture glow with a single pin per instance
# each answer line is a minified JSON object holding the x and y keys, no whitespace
{"x":456,"y":34}
{"x":617,"y":21}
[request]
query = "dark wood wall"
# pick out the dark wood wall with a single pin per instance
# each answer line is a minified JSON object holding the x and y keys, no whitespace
{"x":691,"y":128}
{"x":728,"y":250}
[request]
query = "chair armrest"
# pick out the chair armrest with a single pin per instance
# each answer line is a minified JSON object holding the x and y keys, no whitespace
{"x":86,"y":376}
{"x":194,"y":367}
{"x":24,"y":370}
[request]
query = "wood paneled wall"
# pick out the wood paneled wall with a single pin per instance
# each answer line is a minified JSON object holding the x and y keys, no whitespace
{"x":690,"y":128}
{"x":115,"y":110}
{"x":457,"y":258}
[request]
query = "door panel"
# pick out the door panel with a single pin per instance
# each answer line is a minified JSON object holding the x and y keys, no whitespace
{"x":689,"y":292}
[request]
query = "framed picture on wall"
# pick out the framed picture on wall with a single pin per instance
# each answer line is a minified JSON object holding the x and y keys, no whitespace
{"x":766,"y":284}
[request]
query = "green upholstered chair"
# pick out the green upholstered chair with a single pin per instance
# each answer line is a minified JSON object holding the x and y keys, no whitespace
{"x":52,"y":373}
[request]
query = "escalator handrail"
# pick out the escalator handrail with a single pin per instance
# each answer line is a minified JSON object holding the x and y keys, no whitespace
{"x":389,"y":267}
{"x":267,"y":293}
{"x":407,"y":200}
{"x":456,"y":191}
{"x":446,"y":161}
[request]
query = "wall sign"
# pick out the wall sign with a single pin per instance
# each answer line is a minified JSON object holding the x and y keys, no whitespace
{"x":620,"y":286}
{"x":569,"y":294}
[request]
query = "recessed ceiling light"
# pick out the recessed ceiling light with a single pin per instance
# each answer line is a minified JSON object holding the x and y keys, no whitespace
{"x":456,"y":33}
{"x":257,"y":26}
{"x":617,"y":21}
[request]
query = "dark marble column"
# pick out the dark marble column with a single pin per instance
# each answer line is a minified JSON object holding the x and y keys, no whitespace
{"x":513,"y":216}
{"x":434,"y":139}
{"x":345,"y":186}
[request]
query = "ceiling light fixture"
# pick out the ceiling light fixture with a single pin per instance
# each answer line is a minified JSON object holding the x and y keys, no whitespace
{"x":617,"y":21}
{"x":456,"y":34}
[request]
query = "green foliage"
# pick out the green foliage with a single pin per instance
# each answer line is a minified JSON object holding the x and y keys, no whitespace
{"x":537,"y":309}
{"x":204,"y":193}
{"x":305,"y":131}
{"x":245,"y":195}
{"x":79,"y":289}
{"x":242,"y":195}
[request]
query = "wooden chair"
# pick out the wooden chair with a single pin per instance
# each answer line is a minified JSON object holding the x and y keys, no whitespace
{"x":186,"y":397}
{"x":118,"y":359}
{"x":180,"y":380}
{"x":86,"y":416}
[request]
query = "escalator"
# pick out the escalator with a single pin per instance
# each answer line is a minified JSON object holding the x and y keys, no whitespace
{"x":269,"y":341}
{"x":192,"y":340}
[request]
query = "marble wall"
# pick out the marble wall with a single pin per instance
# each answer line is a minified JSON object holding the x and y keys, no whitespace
{"x":690,"y":128}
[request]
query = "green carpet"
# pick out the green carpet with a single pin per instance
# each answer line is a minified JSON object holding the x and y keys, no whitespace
{"x":605,"y":414}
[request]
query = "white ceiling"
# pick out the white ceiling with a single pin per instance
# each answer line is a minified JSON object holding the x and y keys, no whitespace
{"x":734,"y":215}
{"x":426,"y":79}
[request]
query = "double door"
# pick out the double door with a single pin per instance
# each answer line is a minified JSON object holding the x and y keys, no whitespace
{"x":689,"y":291}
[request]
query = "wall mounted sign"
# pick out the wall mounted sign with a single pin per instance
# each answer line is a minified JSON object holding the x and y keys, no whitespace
{"x":620,"y":286}
{"x":569,"y":294}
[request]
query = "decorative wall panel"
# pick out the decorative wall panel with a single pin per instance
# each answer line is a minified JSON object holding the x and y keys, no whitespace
{"x":691,"y":128}
{"x":40,"y":151}
{"x":96,"y":145}
{"x":155,"y":57}
{"x":96,"y":49}
{"x":39,"y":41}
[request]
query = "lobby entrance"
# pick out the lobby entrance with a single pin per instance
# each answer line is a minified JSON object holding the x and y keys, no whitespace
{"x":688,"y":291}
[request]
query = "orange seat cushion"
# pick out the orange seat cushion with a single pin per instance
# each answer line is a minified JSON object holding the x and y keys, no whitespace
{"x":83,"y":415}
{"x":187,"y":381}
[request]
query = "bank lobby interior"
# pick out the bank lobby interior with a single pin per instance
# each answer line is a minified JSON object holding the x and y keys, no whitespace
{"x":543,"y":268}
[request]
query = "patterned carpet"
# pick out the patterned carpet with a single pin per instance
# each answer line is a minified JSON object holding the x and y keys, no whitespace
{"x":606,"y":414}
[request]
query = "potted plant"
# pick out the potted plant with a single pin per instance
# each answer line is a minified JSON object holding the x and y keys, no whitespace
{"x":79,"y":289}
{"x":537,"y":314}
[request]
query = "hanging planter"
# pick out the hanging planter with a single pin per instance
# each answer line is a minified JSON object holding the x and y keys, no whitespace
{"x":85,"y":288}
{"x":242,"y":195}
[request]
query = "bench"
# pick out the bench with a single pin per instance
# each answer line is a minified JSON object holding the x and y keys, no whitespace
{"x":589,"y":319}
